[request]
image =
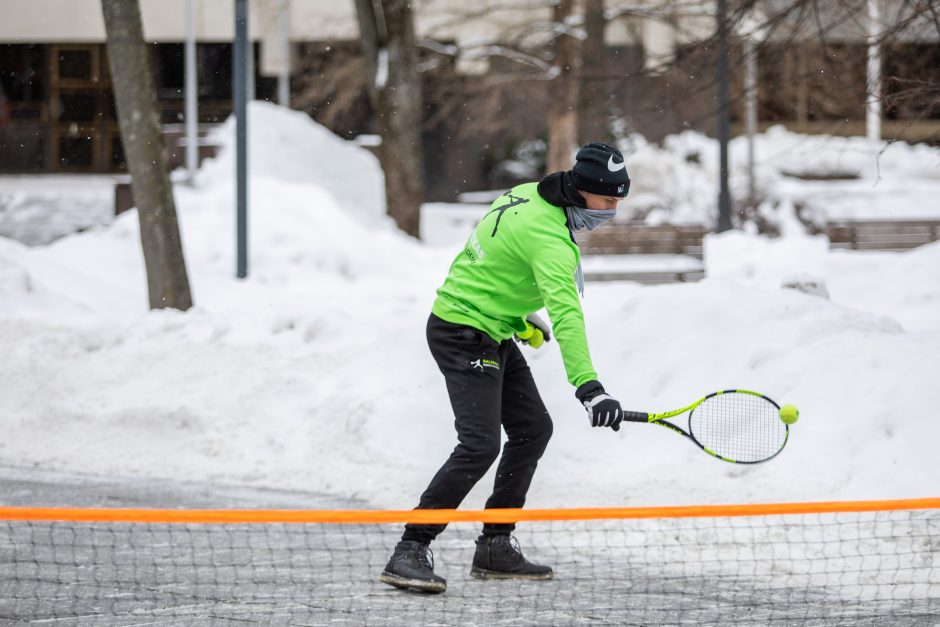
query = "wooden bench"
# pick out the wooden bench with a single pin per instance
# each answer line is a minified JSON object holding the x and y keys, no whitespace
{"x":647,"y":278}
{"x":637,"y":238}
{"x":896,"y":235}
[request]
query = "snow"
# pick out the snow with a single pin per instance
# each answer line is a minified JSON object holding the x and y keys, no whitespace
{"x":447,"y":224}
{"x":283,"y":145}
{"x":676,"y":182}
{"x":314,"y":374}
{"x":40,"y":209}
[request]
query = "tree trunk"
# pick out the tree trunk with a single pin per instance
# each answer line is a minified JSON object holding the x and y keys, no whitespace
{"x":563,"y":111}
{"x":802,"y":87}
{"x":593,"y":117}
{"x":391,"y":54}
{"x":371,"y":34}
{"x":138,"y":117}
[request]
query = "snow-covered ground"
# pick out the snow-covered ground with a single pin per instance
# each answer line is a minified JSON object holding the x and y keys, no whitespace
{"x":314,"y":373}
{"x":40,"y":209}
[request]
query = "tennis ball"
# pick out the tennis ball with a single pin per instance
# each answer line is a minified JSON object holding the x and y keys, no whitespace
{"x":789,"y":414}
{"x":532,"y":335}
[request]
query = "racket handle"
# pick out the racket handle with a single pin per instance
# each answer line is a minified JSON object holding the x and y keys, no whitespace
{"x":636,"y":416}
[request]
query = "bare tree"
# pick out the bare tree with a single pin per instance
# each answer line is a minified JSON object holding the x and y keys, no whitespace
{"x":394,"y":87}
{"x":811,"y":52}
{"x":138,"y":117}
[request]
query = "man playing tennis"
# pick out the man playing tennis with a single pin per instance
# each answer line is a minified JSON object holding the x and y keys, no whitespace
{"x":522,"y":256}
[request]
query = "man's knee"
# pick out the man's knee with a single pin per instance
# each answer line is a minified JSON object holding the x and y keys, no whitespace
{"x":544,"y":433}
{"x":533,"y":437}
{"x":481,"y":454}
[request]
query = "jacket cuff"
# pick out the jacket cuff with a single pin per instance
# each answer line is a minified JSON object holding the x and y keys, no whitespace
{"x":587,"y":391}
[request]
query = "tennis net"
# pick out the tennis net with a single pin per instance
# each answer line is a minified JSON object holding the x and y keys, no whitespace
{"x":852,"y":563}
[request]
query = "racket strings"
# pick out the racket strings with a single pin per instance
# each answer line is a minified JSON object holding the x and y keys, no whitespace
{"x":738,"y":426}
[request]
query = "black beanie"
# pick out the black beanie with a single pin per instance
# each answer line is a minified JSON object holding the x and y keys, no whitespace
{"x":600,"y":169}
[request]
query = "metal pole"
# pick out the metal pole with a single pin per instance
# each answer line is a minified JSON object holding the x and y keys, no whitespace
{"x":750,"y":95}
{"x":192,"y":155}
{"x":873,"y":101}
{"x":283,"y":77}
{"x":239,"y":98}
{"x":724,"y":196}
{"x":250,"y":69}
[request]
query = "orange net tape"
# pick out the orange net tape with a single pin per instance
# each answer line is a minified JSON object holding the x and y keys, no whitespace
{"x":440,"y":516}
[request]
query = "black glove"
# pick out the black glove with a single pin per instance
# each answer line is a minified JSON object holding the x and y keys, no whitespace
{"x":603,"y":411}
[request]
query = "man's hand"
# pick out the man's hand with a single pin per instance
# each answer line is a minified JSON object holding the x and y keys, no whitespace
{"x":603,"y":411}
{"x":536,"y":331}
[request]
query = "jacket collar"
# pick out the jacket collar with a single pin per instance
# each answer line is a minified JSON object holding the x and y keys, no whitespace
{"x":558,"y":189}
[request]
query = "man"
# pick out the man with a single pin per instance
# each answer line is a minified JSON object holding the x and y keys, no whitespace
{"x":521,"y":257}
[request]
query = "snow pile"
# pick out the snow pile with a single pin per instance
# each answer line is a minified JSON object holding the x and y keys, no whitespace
{"x":755,"y":261}
{"x":665,"y":346}
{"x":40,"y":209}
{"x":677,"y":182}
{"x":290,"y":147}
{"x":313,"y":373}
{"x":830,"y":156}
{"x":668,"y":185}
{"x":902,"y":286}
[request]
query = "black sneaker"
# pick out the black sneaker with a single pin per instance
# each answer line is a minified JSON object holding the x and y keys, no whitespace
{"x":412,"y":568}
{"x":499,"y":557}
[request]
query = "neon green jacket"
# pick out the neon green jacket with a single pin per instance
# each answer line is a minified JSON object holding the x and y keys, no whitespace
{"x":518,"y":259}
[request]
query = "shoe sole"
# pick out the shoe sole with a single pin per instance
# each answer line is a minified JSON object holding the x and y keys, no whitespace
{"x":418,"y":585}
{"x":482,"y":573}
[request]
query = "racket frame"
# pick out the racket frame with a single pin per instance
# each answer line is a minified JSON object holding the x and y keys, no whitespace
{"x":660,"y":419}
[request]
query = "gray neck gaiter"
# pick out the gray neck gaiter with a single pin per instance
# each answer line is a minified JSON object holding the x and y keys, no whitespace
{"x":580,"y":218}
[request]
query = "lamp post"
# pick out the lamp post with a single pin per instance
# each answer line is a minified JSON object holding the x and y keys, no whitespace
{"x":191,"y":94}
{"x":283,"y":29}
{"x":724,"y":196}
{"x":240,"y":97}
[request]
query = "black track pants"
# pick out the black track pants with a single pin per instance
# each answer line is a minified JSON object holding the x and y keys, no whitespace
{"x":490,"y":388}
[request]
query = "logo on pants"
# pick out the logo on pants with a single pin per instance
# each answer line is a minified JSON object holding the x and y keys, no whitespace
{"x":484,"y":363}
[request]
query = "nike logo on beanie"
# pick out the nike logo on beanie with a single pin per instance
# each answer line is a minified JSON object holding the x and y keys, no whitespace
{"x":615,"y":167}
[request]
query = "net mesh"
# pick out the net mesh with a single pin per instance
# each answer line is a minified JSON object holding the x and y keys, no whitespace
{"x":868,"y":568}
{"x":739,"y":426}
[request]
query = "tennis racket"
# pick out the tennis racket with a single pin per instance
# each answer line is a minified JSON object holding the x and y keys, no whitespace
{"x":737,"y":426}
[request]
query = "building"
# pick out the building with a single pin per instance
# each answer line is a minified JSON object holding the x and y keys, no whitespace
{"x":59,"y":113}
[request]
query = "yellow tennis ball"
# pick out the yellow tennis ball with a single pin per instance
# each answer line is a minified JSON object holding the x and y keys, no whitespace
{"x":529,"y":330}
{"x":537,"y":338}
{"x":789,"y":414}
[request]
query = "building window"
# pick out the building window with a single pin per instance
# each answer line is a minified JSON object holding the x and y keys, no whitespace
{"x":76,"y":152}
{"x":170,"y":70}
{"x":77,"y":107}
{"x":76,"y":65}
